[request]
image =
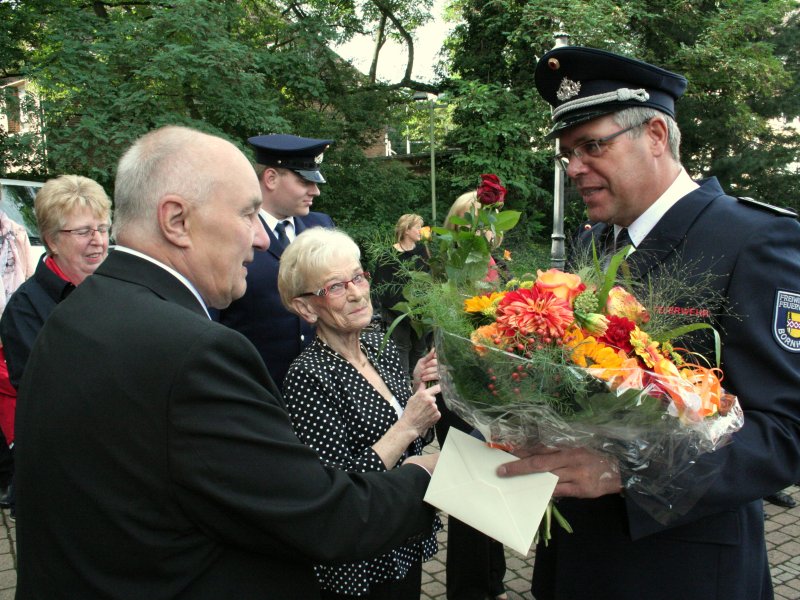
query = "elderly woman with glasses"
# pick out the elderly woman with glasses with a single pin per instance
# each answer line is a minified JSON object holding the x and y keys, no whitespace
{"x":74,"y":218}
{"x":350,"y":400}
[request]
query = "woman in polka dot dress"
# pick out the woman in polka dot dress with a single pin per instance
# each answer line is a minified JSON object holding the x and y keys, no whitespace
{"x":350,"y":400}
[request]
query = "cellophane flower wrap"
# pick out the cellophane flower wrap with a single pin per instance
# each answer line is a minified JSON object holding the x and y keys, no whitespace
{"x":575,"y":359}
{"x":551,"y":361}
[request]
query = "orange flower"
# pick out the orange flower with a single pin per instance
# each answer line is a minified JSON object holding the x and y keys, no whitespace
{"x":621,"y":303}
{"x":479,"y":304}
{"x":594,"y":323}
{"x":534,"y":312}
{"x":425,"y":232}
{"x":506,"y":254}
{"x":601,"y":361}
{"x":645,"y":348}
{"x":563,"y":285}
{"x":629,"y":375}
{"x":484,"y":337}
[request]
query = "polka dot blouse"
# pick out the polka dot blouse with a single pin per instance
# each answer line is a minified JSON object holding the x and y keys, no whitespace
{"x":337,"y":412}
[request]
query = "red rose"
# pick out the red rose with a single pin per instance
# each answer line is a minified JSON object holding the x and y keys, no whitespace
{"x":618,"y":333}
{"x":490,"y":191}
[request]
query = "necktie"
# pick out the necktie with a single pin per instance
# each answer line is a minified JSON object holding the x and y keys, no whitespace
{"x":280,"y":232}
{"x":623,"y":239}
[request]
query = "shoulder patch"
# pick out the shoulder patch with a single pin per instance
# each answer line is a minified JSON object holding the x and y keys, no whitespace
{"x":786,"y":320}
{"x":784,"y":212}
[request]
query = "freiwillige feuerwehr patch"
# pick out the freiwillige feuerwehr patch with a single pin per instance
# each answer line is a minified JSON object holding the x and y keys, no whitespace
{"x":786,"y":324}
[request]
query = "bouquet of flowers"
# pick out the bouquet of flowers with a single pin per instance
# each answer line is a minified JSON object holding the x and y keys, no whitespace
{"x":575,"y":359}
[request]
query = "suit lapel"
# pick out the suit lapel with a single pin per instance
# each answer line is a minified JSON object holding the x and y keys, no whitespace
{"x":275,"y":247}
{"x":299,"y":226}
{"x":663,"y":240}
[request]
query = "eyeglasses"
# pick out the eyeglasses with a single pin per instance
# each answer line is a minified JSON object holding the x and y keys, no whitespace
{"x":338,"y":288}
{"x":87,"y":231}
{"x":592,"y":148}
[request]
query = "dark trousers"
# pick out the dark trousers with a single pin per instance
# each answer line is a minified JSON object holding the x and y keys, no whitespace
{"x":476,"y":563}
{"x":409,"y":588}
{"x":6,"y":462}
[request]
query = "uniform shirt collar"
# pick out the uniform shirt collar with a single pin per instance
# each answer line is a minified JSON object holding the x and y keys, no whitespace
{"x":639,"y":229}
{"x":272,"y":221}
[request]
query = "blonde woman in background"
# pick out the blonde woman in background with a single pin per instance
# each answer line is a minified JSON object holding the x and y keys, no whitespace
{"x":465,"y":203}
{"x":390,"y":277}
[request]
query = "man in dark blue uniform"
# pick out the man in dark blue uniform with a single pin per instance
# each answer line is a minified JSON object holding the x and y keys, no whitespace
{"x":288,"y":171}
{"x":619,"y":143}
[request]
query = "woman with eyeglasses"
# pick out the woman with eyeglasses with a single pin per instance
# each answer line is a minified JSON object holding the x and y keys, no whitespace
{"x":350,"y":400}
{"x":74,"y":218}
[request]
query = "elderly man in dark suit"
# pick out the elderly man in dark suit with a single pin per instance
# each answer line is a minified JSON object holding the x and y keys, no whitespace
{"x":288,"y":169}
{"x":614,"y":117}
{"x":155,"y":454}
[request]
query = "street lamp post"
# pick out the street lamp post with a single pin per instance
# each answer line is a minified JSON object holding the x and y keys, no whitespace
{"x":558,"y":254}
{"x":431,"y":100}
{"x":432,"y":103}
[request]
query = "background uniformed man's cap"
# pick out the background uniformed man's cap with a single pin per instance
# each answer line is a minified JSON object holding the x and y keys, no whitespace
{"x":301,"y":155}
{"x":585,"y":83}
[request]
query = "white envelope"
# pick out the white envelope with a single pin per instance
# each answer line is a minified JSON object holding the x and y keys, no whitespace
{"x":465,"y":485}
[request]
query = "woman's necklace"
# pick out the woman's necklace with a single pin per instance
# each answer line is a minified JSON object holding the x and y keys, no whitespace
{"x":403,"y":248}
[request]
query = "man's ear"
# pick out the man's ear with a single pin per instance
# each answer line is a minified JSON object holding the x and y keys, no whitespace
{"x":305,"y":309}
{"x":658,"y":134}
{"x":269,"y":178}
{"x":173,"y":219}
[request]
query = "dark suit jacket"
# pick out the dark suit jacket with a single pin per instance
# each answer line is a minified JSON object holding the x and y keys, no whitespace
{"x":717,"y":549}
{"x":278,"y":335}
{"x":156,"y":459}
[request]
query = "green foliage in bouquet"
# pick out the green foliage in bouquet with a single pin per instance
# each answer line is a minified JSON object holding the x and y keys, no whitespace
{"x":460,"y":255}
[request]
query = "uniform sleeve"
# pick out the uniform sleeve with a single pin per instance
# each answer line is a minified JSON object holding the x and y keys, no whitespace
{"x":320,"y":422}
{"x":764,"y":374}
{"x":242,"y":475}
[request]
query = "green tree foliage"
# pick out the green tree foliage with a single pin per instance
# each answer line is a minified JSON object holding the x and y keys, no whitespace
{"x":741,"y":59}
{"x":108,"y":71}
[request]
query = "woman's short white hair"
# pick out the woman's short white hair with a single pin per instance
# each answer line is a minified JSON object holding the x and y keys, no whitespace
{"x":310,"y":254}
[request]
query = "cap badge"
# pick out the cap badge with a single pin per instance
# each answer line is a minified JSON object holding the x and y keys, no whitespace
{"x":568,"y":89}
{"x":318,"y":159}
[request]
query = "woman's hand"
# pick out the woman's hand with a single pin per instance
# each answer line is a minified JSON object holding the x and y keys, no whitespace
{"x":426,"y":369}
{"x":421,"y":413}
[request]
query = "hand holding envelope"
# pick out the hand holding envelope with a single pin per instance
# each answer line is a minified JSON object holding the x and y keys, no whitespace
{"x":466,"y":486}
